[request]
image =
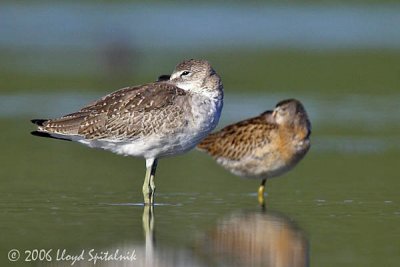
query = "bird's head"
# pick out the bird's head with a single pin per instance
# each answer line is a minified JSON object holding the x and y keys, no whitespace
{"x":291,"y":112}
{"x":197,"y":76}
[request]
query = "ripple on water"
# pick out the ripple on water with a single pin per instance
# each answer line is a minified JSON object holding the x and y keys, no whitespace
{"x":140,"y":204}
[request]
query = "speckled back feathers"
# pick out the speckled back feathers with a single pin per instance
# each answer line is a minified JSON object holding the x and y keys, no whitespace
{"x":263,"y":146}
{"x":238,"y":140}
{"x":136,"y":106}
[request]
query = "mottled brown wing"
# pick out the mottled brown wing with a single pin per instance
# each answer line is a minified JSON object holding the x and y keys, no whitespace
{"x":118,"y":115}
{"x":238,"y":140}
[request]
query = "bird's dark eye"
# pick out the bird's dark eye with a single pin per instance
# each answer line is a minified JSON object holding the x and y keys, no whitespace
{"x":185,"y":73}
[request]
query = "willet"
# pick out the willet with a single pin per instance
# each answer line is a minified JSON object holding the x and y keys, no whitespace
{"x":152,"y":121}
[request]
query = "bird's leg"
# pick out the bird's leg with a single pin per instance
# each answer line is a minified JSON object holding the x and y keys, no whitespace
{"x":147,"y":191}
{"x":152,"y":184}
{"x":146,"y":187}
{"x":261,"y":190}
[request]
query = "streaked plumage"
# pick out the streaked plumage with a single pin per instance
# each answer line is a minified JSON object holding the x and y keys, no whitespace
{"x":265,"y":146}
{"x":152,"y":121}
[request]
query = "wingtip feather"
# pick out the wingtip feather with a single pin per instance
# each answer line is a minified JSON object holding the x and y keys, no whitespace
{"x":38,"y":122}
{"x":47,"y":135}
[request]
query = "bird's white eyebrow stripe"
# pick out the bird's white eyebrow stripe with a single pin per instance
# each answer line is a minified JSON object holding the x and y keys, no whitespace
{"x":176,"y":74}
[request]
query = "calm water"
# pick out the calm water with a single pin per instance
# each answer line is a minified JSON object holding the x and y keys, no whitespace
{"x":339,"y":207}
{"x":157,"y":26}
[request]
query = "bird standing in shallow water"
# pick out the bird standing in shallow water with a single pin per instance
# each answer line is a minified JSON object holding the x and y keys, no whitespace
{"x":154,"y":120}
{"x":265,"y":146}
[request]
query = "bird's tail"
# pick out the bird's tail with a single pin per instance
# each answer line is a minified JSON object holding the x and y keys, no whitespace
{"x":40,"y":133}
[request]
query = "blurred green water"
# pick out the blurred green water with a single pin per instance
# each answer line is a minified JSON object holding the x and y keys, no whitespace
{"x":334,"y":72}
{"x":62,"y":195}
{"x":58,"y":194}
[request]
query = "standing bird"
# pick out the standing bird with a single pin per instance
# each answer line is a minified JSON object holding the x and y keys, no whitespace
{"x":265,"y":146}
{"x":152,"y":121}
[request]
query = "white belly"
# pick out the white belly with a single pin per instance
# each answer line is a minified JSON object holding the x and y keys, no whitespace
{"x":148,"y":147}
{"x":250,"y":168}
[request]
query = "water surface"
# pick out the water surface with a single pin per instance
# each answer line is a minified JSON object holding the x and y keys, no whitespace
{"x":154,"y":27}
{"x":339,"y":207}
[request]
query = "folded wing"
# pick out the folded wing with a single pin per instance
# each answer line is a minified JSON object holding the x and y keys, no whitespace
{"x":238,"y":140}
{"x":124,"y":113}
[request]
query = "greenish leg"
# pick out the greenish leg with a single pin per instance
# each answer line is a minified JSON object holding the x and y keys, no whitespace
{"x":149,"y":185}
{"x":146,"y":187}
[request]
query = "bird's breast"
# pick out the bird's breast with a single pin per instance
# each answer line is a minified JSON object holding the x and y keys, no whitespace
{"x":205,"y":113}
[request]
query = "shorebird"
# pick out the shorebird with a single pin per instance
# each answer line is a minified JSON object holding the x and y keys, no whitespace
{"x":265,"y":146}
{"x":152,"y":121}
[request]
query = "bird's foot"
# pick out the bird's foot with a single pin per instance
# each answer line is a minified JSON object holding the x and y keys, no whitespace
{"x":148,"y":195}
{"x":261,"y":198}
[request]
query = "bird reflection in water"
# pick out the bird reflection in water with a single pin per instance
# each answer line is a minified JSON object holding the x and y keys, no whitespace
{"x":260,"y":238}
{"x":256,"y":239}
{"x":152,"y":256}
{"x":145,"y":255}
{"x":148,"y":228}
{"x":265,"y":239}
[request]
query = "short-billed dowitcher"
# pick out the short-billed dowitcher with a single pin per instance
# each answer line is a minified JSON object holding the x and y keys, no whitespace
{"x":265,"y":146}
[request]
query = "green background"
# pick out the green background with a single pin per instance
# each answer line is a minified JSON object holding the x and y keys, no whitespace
{"x":344,"y":196}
